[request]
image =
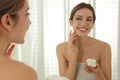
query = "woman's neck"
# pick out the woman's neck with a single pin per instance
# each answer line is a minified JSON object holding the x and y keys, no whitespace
{"x":84,"y":41}
{"x":3,"y":45}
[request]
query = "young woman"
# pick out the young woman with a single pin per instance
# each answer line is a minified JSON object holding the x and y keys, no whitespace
{"x":72,"y":55}
{"x":14,"y":22}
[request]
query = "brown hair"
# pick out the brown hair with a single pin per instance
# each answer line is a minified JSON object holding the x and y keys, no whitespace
{"x":80,"y":6}
{"x":11,"y":7}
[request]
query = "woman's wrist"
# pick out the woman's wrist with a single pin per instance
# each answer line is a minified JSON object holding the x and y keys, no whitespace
{"x":99,"y":75}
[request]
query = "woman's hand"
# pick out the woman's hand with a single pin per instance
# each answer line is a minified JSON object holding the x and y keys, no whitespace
{"x":72,"y":43}
{"x":92,"y":69}
{"x":9,"y":50}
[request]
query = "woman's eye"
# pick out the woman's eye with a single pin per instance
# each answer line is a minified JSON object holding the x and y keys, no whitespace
{"x":27,"y":14}
{"x":89,"y":19}
{"x":78,"y":18}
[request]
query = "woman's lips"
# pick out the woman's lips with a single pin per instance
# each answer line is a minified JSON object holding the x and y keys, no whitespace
{"x":82,"y":29}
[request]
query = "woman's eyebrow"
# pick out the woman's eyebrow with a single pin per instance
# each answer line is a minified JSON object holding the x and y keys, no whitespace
{"x":27,"y":9}
{"x":79,"y":15}
{"x":90,"y":16}
{"x":82,"y":16}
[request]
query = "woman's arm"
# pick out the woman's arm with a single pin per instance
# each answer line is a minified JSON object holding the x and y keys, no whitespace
{"x":66,"y":69}
{"x":104,"y":72}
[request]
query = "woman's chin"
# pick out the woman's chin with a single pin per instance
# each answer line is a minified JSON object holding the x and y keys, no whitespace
{"x":81,"y":35}
{"x":20,"y":42}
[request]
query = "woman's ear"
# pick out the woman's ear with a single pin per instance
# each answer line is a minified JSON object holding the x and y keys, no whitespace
{"x":7,"y":22}
{"x":70,"y":21}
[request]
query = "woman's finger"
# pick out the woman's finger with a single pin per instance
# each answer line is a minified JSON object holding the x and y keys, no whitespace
{"x":9,"y":50}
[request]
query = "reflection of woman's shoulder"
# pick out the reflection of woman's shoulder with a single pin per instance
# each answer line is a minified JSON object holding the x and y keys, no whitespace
{"x":14,"y":70}
{"x":62,"y":45}
{"x":102,"y":44}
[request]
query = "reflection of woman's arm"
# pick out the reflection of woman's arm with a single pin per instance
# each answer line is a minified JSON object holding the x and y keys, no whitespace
{"x":69,"y":49}
{"x":103,"y":68}
{"x":66,"y":68}
{"x":104,"y":72}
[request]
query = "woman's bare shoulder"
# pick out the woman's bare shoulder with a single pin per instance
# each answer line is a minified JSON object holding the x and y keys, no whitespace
{"x":16,"y":70}
{"x":103,"y":44}
{"x":61,"y":46}
{"x":104,"y":47}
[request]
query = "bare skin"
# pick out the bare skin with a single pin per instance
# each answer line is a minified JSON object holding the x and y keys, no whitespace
{"x":9,"y":50}
{"x":14,"y":70}
{"x":81,"y":47}
{"x":11,"y":69}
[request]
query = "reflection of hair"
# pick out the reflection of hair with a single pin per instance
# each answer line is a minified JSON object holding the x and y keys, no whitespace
{"x":11,"y":7}
{"x":80,"y":6}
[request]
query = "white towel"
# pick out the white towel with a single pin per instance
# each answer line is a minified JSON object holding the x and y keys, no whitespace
{"x":55,"y":77}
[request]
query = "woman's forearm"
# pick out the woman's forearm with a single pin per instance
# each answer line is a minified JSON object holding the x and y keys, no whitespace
{"x":71,"y":69}
{"x":101,"y":76}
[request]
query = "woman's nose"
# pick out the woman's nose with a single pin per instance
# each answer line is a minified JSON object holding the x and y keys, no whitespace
{"x":29,"y":22}
{"x":83,"y":23}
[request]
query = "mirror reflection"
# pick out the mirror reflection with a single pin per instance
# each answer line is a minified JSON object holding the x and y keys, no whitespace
{"x":50,"y":27}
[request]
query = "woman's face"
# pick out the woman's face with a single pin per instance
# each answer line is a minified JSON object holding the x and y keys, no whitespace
{"x":82,"y":22}
{"x":19,"y":30}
